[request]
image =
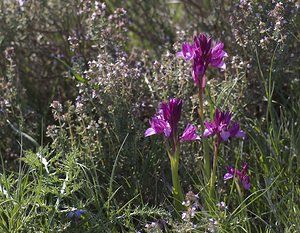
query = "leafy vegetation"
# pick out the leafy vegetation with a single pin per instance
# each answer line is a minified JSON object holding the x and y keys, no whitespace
{"x":79,"y":82}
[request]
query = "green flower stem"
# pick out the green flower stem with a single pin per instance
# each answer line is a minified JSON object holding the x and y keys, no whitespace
{"x":178,"y":196}
{"x":238,"y":188}
{"x":201,"y":115}
{"x":240,"y":192}
{"x":213,"y":173}
{"x":204,"y":140}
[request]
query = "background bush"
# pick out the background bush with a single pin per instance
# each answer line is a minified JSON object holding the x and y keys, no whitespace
{"x":80,"y":80}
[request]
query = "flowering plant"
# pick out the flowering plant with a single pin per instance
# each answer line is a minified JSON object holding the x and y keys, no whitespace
{"x":203,"y":52}
{"x":166,"y":122}
{"x":241,"y":175}
{"x":224,"y":128}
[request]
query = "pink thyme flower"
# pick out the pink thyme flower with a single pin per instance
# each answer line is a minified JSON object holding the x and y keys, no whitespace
{"x":223,"y":127}
{"x":203,"y":52}
{"x":231,"y":172}
{"x":166,"y":122}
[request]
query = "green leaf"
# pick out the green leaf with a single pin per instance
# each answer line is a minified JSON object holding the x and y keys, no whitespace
{"x":72,"y":72}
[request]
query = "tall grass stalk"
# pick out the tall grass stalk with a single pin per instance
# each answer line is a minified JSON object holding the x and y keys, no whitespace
{"x":111,"y":179}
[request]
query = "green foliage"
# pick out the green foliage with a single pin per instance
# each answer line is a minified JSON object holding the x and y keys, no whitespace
{"x":105,"y":70}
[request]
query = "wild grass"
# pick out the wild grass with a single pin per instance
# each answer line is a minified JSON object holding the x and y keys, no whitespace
{"x":104,"y":87}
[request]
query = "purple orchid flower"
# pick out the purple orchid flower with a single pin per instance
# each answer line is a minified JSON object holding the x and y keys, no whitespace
{"x":231,"y":172}
{"x":223,"y":127}
{"x":203,"y":52}
{"x":166,"y":122}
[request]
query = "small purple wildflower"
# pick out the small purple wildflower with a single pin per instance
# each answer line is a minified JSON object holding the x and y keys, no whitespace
{"x":166,"y":122}
{"x":231,"y":172}
{"x":203,"y":52}
{"x":76,"y":214}
{"x":212,"y":225}
{"x":222,"y":206}
{"x":223,"y":127}
{"x":159,"y":226}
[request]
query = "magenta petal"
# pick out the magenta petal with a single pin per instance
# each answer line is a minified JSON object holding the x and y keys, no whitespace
{"x":217,"y":63}
{"x":220,"y":65}
{"x":223,"y":127}
{"x":196,"y":79}
{"x":225,"y":135}
{"x":207,"y":133}
{"x":209,"y":129}
{"x":158,"y":124}
{"x":203,"y":82}
{"x":189,"y":133}
{"x":198,"y":73}
{"x":244,"y":169}
{"x":236,"y":132}
{"x":234,"y":129}
{"x":246,"y":182}
{"x":217,"y":56}
{"x":217,"y":114}
{"x":167,"y":131}
{"x":187,"y":51}
{"x":164,"y":110}
{"x":149,"y":132}
{"x":241,"y":175}
{"x":203,"y":52}
{"x":228,"y":176}
{"x":179,"y":54}
{"x":240,"y":134}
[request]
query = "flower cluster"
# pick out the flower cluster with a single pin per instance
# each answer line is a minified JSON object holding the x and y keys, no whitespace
{"x":231,"y":173}
{"x":192,"y":204}
{"x":222,"y":206}
{"x":158,"y":226}
{"x":213,"y":225}
{"x":166,"y":122}
{"x":203,"y":52}
{"x":223,"y":127}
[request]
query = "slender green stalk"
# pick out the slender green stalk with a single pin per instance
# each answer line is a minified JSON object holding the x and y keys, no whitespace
{"x":207,"y":166}
{"x":178,"y":196}
{"x":200,"y":111}
{"x":110,"y":188}
{"x":213,"y":173}
{"x":238,"y":188}
{"x":243,"y":203}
